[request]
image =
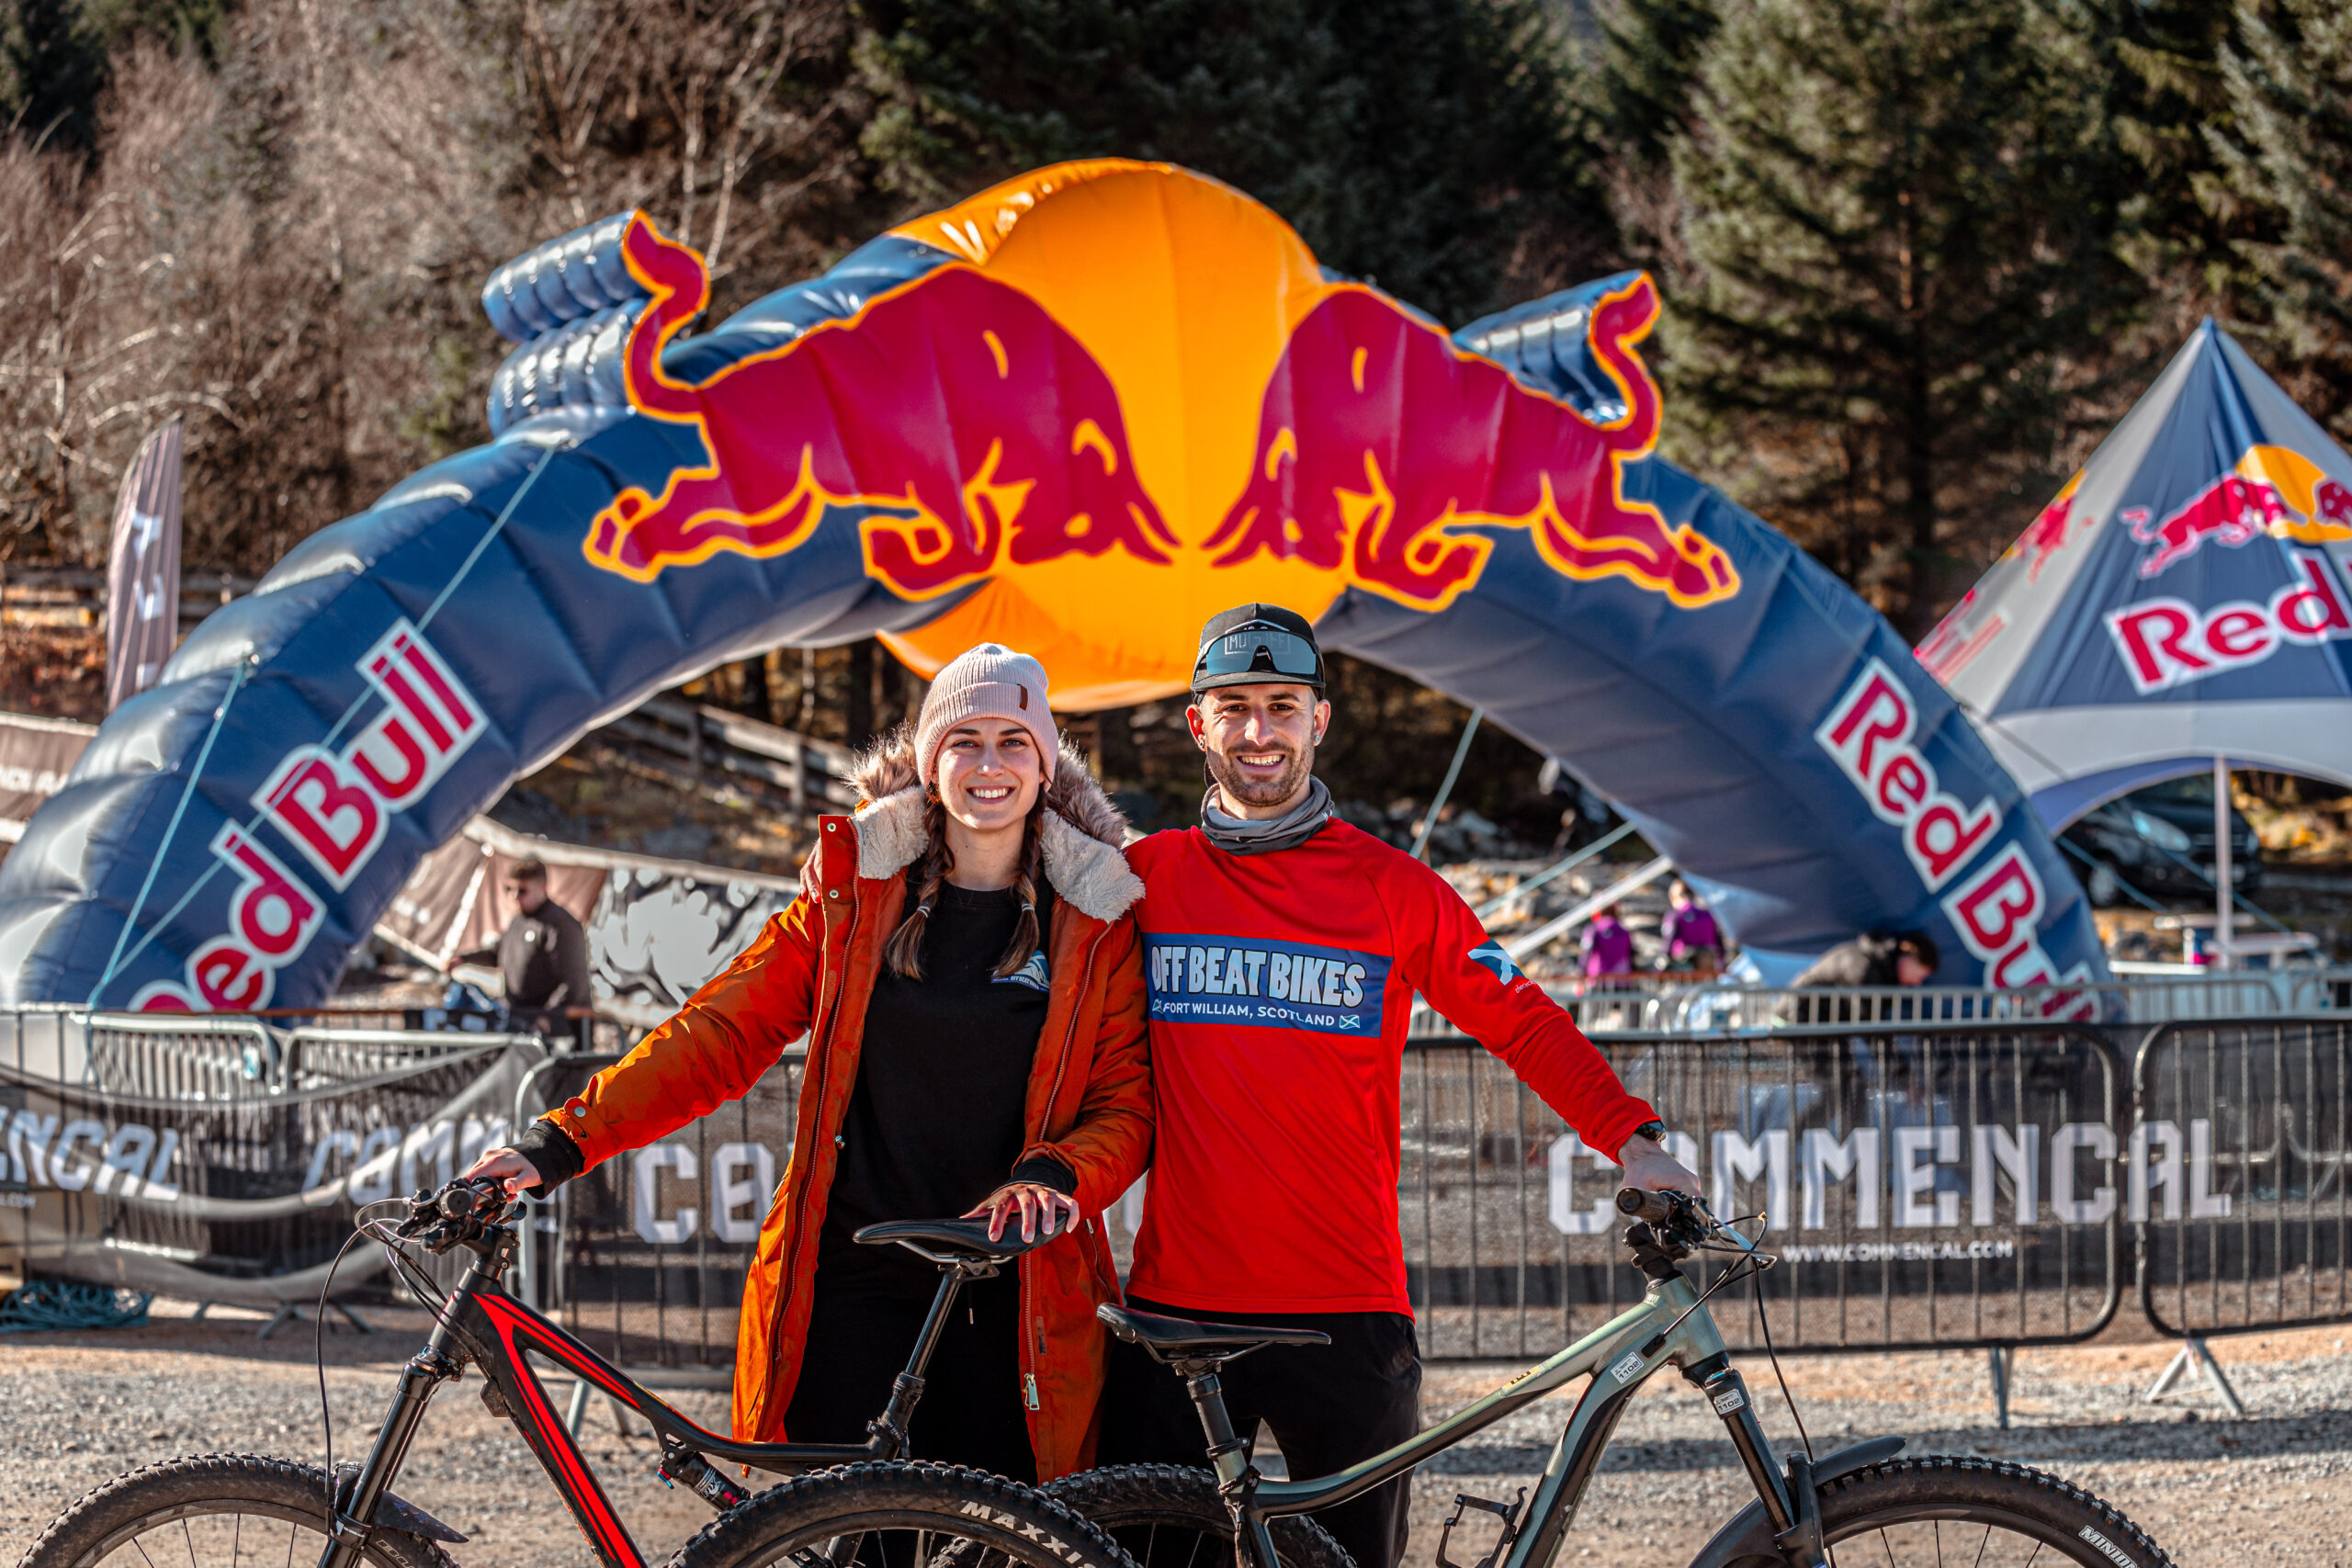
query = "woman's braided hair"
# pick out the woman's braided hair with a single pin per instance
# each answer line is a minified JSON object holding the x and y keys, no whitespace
{"x":903,"y":952}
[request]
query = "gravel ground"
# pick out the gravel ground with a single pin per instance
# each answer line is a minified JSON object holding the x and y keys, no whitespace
{"x":2274,"y":1488}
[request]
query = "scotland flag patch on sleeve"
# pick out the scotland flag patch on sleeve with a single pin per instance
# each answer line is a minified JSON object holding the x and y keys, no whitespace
{"x":1034,"y":974}
{"x":1492,"y":955}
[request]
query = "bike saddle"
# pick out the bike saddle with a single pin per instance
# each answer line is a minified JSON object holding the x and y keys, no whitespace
{"x":1180,"y":1338}
{"x":950,"y":1241}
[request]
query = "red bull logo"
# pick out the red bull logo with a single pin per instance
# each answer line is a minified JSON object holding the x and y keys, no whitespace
{"x":2047,"y":534}
{"x":1048,"y":424}
{"x":2274,"y":492}
{"x":1037,"y":463}
{"x":1380,"y":444}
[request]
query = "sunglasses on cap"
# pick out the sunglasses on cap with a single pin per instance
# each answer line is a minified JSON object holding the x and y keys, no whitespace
{"x":1236,"y":652}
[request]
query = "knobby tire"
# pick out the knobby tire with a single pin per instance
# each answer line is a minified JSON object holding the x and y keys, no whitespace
{"x":174,"y":1495}
{"x":984,"y":1521}
{"x":1168,"y":1516}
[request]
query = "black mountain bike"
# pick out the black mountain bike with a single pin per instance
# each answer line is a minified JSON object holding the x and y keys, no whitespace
{"x":1883,"y":1508}
{"x":870,"y":1508}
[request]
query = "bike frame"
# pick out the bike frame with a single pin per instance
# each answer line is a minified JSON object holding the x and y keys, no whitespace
{"x":1670,"y":1327}
{"x":484,"y":1324}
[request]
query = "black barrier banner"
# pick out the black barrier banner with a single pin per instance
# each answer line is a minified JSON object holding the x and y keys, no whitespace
{"x":226,"y":1192}
{"x":651,"y":1246}
{"x":1919,"y":1188}
{"x":2238,"y":1167}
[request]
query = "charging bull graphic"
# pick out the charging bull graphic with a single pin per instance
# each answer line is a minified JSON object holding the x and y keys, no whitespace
{"x":1379,"y":443}
{"x":1034,"y":465}
{"x":2274,"y":492}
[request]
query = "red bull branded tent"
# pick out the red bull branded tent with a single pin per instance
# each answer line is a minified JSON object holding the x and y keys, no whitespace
{"x":1078,"y":413}
{"x":2185,"y":598}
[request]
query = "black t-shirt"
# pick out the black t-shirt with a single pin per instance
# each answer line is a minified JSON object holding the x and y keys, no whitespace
{"x":936,"y":1122}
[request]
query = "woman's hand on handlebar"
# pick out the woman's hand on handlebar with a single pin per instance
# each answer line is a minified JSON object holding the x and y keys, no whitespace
{"x":509,"y":1167}
{"x":1040,"y":1207}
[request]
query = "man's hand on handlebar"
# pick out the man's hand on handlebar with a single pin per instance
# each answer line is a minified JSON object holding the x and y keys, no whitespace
{"x":508,"y":1168}
{"x":1649,"y":1166}
{"x":1040,"y":1207}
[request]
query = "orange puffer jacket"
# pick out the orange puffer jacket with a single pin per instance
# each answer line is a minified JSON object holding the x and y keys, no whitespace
{"x":812,"y":971}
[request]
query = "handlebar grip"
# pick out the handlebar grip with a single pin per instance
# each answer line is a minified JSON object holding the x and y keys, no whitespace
{"x":1636,"y":1204}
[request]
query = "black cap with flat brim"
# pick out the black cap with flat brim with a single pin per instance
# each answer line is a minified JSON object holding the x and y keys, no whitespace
{"x":1258,"y":645}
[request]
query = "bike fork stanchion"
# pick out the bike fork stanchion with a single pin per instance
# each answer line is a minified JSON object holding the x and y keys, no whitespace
{"x":2004,"y":1363}
{"x":2194,"y":1360}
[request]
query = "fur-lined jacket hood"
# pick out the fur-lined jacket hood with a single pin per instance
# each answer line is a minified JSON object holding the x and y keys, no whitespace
{"x":1083,"y":831}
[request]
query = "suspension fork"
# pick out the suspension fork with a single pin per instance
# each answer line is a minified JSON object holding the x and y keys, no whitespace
{"x":1716,"y":1379}
{"x":437,"y":1363}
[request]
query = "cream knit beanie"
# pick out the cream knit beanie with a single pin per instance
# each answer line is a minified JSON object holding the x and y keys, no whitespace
{"x":989,"y":681}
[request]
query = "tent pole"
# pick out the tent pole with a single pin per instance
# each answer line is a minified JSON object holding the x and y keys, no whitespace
{"x":2224,"y":938}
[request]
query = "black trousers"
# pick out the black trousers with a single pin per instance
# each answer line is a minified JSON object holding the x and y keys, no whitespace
{"x":860,"y":1334}
{"x":1330,"y":1406}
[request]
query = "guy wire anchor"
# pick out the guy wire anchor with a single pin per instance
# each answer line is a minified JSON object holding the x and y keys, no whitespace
{"x":2194,"y":1360}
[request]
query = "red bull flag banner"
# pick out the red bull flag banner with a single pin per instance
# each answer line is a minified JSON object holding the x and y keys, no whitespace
{"x":1077,"y":413}
{"x":2188,"y":595}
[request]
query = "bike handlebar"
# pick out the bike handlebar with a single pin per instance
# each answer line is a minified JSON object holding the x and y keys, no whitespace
{"x":465,"y":1210}
{"x":1657,"y":1208}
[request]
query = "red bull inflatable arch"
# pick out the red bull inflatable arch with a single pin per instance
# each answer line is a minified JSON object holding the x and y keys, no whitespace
{"x":1077,"y":413}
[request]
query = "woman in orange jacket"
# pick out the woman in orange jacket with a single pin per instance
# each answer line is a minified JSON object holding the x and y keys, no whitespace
{"x":966,"y":971}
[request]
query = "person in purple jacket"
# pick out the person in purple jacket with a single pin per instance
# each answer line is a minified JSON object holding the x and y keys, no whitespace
{"x":1608,"y":947}
{"x":1693,"y":940}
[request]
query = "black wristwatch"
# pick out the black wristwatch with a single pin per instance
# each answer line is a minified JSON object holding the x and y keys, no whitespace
{"x":1654,"y":1129}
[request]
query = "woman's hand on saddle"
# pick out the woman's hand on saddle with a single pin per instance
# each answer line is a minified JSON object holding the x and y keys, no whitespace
{"x":1041,"y":1210}
{"x":509,"y":1167}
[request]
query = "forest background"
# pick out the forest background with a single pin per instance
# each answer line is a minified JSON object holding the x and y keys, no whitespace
{"x":1918,"y":254}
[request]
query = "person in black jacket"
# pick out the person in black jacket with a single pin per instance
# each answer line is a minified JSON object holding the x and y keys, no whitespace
{"x":1878,"y":958}
{"x":543,"y":954}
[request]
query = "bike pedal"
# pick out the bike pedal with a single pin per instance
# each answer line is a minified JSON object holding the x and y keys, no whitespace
{"x":1507,"y":1512}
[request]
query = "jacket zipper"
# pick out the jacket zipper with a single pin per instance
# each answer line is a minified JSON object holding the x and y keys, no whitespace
{"x":1035,"y":1321}
{"x":820,"y":1031}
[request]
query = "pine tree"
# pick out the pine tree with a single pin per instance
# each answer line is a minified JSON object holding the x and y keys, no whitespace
{"x":1901,"y":223}
{"x":1650,"y":52}
{"x":2290,"y":154}
{"x":1415,"y":142}
{"x":52,"y":70}
{"x":2158,"y":69}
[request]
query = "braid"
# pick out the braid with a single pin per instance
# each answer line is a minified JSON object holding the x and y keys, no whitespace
{"x":903,"y":953}
{"x":1024,"y":929}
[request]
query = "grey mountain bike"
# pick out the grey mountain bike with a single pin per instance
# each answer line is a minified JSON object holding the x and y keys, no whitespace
{"x":1879,"y":1507}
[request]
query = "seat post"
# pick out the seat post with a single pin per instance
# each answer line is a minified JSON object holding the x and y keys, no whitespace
{"x":1227,"y":1453}
{"x":889,"y":1431}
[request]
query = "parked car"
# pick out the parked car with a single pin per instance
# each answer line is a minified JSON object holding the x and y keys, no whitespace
{"x":2160,"y":840}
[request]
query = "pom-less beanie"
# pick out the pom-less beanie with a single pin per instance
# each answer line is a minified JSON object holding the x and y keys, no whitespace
{"x":989,"y":681}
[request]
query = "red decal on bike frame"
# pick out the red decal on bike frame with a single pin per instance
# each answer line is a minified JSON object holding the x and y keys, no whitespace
{"x":513,"y":1322}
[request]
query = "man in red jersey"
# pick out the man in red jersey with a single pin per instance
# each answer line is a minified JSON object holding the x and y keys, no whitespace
{"x":1282,"y":949}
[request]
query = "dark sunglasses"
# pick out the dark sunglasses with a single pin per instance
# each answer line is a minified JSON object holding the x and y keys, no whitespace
{"x":1236,"y":653}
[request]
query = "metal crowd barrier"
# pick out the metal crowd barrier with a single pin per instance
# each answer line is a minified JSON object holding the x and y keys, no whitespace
{"x":1923,"y":1189}
{"x":643,"y":1257}
{"x":2237,"y":1167}
{"x":163,"y":1167}
{"x":1927,"y":1183}
{"x":316,"y":1058}
{"x":176,"y":1056}
{"x":1731,"y":1010}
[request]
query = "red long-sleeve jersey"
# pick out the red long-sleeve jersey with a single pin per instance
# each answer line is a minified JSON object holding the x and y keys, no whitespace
{"x":1281,"y":986}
